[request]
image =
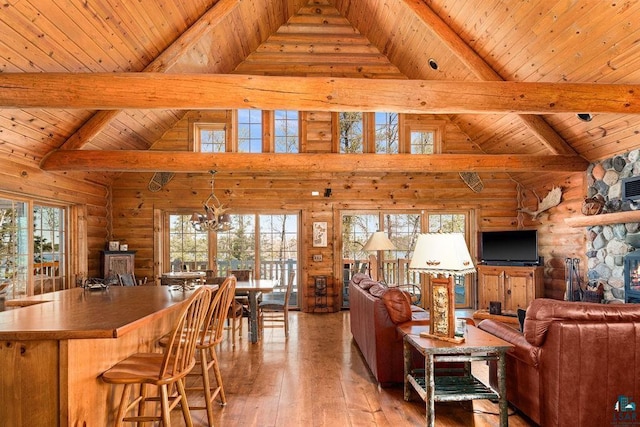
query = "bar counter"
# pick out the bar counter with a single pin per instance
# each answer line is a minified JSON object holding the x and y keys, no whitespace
{"x":54,"y":347}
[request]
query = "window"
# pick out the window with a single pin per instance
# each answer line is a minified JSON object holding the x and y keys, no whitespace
{"x":350,"y":132}
{"x":210,"y":138}
{"x":249,"y":131}
{"x":188,"y":248}
{"x":422,"y":142}
{"x":402,"y":229}
{"x":265,"y":243}
{"x":49,"y":249}
{"x":37,"y":264}
{"x":386,"y":131}
{"x":14,"y":247}
{"x":287,"y":131}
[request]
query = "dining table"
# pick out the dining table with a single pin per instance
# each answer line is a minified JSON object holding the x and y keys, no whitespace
{"x":186,"y":276}
{"x":251,"y":289}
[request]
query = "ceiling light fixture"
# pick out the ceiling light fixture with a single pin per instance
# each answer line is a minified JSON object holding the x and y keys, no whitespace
{"x":585,"y":117}
{"x":433,"y":64}
{"x":215,"y":217}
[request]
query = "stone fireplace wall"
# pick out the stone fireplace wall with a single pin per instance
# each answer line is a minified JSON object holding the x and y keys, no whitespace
{"x":606,"y":246}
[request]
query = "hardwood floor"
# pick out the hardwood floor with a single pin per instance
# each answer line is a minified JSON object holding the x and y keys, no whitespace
{"x":318,"y":378}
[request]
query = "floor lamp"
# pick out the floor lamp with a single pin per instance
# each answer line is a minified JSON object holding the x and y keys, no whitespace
{"x":377,"y":242}
{"x":443,"y":256}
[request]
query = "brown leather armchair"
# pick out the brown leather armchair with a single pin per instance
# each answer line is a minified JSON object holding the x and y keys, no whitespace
{"x":574,"y":362}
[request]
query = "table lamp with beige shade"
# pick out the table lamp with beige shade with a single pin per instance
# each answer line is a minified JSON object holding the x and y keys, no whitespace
{"x":378,"y":242}
{"x":443,"y":256}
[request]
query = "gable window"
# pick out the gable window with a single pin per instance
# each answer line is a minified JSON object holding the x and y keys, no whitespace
{"x":286,"y":125}
{"x":210,"y":137}
{"x":422,"y":142}
{"x":386,"y":131}
{"x":350,"y":132}
{"x":249,"y":131}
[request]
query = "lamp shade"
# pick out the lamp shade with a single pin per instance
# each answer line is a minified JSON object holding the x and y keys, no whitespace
{"x":442,"y":253}
{"x":378,"y":242}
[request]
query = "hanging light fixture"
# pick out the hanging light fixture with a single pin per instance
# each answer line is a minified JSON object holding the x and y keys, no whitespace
{"x":215,"y":217}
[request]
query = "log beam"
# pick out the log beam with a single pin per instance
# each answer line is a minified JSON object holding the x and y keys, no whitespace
{"x":181,"y":161}
{"x":108,"y":91}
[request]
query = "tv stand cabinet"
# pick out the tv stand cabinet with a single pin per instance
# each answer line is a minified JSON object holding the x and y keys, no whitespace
{"x":513,"y":286}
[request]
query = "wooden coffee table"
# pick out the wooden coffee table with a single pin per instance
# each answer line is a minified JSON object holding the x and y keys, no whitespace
{"x":433,"y":387}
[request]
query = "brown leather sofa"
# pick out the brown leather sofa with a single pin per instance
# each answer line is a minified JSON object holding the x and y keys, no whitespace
{"x":376,"y":334}
{"x":574,"y":364}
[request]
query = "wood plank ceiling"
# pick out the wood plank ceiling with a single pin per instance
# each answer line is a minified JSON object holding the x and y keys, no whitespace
{"x":541,"y":41}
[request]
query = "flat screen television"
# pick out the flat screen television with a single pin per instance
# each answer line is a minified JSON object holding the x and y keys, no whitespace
{"x":514,"y":247}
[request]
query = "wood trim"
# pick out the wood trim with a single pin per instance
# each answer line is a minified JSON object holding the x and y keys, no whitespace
{"x":109,"y":91}
{"x":603,"y":219}
{"x":183,"y":161}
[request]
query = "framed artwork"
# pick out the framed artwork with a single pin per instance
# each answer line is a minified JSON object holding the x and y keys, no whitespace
{"x":114,"y":245}
{"x":442,"y":321}
{"x":319,"y":234}
{"x":124,"y":247}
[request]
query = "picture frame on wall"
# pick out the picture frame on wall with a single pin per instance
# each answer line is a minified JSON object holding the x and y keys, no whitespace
{"x":124,"y":247}
{"x":319,"y":234}
{"x":114,"y":245}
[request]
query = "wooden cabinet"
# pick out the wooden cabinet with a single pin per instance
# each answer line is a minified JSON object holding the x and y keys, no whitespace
{"x":117,"y":262}
{"x":514,"y":287}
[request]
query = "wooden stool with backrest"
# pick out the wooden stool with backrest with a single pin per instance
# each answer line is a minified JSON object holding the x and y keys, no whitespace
{"x":162,"y":369}
{"x":274,"y":309}
{"x":211,"y":336}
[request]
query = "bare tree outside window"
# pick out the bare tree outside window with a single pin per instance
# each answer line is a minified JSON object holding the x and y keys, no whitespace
{"x":386,"y":129}
{"x":422,"y":142}
{"x":350,"y":132}
{"x":249,"y":131}
{"x":286,"y":127}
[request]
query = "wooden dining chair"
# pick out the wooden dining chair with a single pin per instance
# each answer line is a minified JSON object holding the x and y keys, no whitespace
{"x":274,"y":308}
{"x":162,"y":370}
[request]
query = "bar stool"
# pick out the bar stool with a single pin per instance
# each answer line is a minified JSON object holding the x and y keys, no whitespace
{"x":162,"y":369}
{"x":212,"y":336}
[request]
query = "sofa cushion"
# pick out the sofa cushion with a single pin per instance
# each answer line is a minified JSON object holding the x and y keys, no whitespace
{"x":378,"y":290}
{"x":358,"y":277}
{"x":366,"y":284}
{"x":398,"y":304}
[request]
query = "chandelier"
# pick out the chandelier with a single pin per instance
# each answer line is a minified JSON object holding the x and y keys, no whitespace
{"x":215,"y":217}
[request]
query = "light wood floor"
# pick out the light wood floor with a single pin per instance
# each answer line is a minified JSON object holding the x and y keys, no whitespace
{"x":318,"y":378}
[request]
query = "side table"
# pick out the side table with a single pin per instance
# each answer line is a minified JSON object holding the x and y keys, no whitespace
{"x":478,"y":346}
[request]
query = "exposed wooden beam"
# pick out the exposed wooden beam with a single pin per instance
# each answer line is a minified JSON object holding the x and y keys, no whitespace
{"x":108,"y":91}
{"x":101,"y":119}
{"x":540,"y":128}
{"x":181,"y":161}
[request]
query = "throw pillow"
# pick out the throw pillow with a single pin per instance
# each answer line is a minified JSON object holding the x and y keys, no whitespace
{"x":358,"y":277}
{"x":378,"y":290}
{"x":398,"y":305}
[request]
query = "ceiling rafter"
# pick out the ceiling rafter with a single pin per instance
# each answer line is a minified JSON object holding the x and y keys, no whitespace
{"x":115,"y":91}
{"x":163,"y":62}
{"x":183,"y":161}
{"x":477,"y":65}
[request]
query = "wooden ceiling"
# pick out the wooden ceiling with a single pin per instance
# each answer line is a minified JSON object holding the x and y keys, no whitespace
{"x":557,"y":58}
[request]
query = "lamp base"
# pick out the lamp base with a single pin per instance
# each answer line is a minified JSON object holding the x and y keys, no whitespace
{"x":455,"y":340}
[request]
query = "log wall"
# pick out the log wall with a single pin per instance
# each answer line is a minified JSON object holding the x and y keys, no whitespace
{"x":133,"y":204}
